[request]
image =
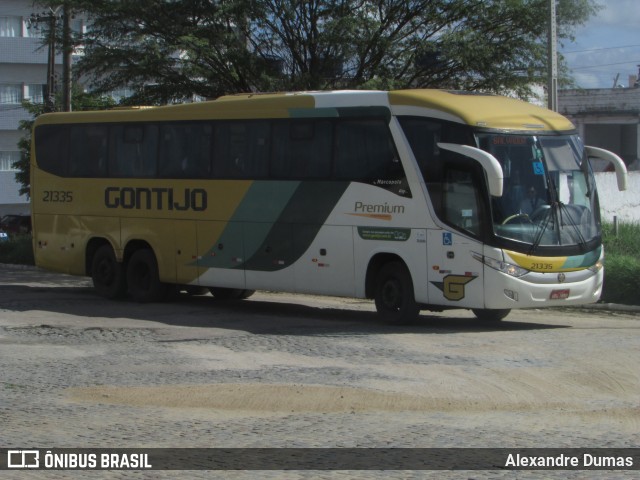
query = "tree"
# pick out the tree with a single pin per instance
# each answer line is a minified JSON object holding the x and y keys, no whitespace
{"x":172,"y":50}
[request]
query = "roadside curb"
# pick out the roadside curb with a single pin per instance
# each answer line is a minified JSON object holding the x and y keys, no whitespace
{"x":613,"y":307}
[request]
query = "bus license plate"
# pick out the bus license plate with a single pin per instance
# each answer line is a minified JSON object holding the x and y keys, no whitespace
{"x":559,"y":294}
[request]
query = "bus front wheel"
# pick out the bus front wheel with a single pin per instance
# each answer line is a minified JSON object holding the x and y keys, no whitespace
{"x":143,"y":278}
{"x":107,"y":274}
{"x":490,"y":315}
{"x":394,"y":297}
{"x":220,"y":293}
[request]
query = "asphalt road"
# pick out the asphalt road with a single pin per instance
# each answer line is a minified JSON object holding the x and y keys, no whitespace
{"x":281,"y":370}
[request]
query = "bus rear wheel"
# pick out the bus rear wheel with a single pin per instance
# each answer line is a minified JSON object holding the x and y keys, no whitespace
{"x":107,"y":274}
{"x":490,"y":315}
{"x":220,"y":293}
{"x":394,"y":297}
{"x":194,"y":290}
{"x":143,"y":278}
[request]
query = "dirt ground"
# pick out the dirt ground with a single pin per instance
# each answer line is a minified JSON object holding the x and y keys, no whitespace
{"x":281,"y":370}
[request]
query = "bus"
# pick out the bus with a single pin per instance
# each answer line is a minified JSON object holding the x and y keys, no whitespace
{"x":418,"y":199}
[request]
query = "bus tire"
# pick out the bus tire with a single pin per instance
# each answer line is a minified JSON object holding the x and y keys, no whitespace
{"x":220,"y":293}
{"x":394,"y":297}
{"x":143,"y":279}
{"x":194,"y":290}
{"x":490,"y":315}
{"x":108,"y":274}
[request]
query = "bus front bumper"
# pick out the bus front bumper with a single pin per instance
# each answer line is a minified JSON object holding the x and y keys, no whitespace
{"x":538,"y":290}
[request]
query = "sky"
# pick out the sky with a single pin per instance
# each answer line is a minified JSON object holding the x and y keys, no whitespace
{"x":609,"y":44}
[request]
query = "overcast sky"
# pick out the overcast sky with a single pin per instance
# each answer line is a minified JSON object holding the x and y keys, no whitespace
{"x":607,"y":45}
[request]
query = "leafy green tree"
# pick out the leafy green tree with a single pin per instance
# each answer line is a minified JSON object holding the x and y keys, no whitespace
{"x":171,"y":50}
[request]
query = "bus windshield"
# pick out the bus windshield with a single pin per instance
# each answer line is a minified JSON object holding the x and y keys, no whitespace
{"x":549,"y":190}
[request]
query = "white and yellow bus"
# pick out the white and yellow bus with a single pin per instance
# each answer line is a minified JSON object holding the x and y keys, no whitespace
{"x":418,"y":199}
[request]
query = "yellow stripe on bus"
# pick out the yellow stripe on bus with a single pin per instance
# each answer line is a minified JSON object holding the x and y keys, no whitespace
{"x":540,"y":264}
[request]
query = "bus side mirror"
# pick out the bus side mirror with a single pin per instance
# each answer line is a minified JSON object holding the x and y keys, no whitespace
{"x":621,"y":169}
{"x":490,"y":164}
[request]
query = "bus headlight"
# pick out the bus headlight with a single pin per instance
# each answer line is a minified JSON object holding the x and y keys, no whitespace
{"x":595,"y":268}
{"x":499,"y":265}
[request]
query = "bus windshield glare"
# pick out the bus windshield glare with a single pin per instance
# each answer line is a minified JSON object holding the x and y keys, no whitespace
{"x":549,"y":190}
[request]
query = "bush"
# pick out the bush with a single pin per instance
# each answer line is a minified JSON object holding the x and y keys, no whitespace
{"x":621,"y":279}
{"x":622,"y":263}
{"x":17,"y":250}
{"x":626,"y":242}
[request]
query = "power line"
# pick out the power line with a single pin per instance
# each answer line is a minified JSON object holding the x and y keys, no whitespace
{"x":606,"y":65}
{"x":598,"y":49}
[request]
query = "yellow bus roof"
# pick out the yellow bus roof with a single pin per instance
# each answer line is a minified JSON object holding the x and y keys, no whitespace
{"x":478,"y":110}
{"x":229,"y":107}
{"x":484,"y":110}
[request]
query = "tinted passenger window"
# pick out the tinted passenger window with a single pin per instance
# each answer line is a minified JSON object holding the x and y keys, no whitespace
{"x":185,"y":150}
{"x":301,"y":149}
{"x":365,"y":152}
{"x":52,"y":148}
{"x":134,"y":150}
{"x":88,"y":151}
{"x":241,"y":150}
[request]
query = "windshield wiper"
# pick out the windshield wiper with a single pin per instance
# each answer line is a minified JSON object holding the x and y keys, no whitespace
{"x":563,"y":208}
{"x":540,"y":233}
{"x":556,"y":211}
{"x":553,"y":213}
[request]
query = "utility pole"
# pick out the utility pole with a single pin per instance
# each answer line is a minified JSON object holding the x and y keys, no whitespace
{"x":552,"y":68}
{"x":49,"y":98}
{"x":66,"y":58}
{"x":52,"y":17}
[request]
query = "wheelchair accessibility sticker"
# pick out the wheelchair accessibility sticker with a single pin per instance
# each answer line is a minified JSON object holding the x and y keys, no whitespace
{"x":447,"y":238}
{"x":538,"y":168}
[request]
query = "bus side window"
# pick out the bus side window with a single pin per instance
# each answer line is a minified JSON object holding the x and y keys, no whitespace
{"x":133,"y":150}
{"x":52,"y":148}
{"x":301,"y":149}
{"x":185,"y":150}
{"x":241,"y":149}
{"x":365,"y":152}
{"x":88,"y":151}
{"x":461,"y":197}
{"x":423,"y":135}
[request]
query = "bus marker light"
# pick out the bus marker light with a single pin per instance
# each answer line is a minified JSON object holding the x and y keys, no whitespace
{"x":559,"y":294}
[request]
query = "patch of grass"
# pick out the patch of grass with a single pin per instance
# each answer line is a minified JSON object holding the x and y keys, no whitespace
{"x":17,"y":250}
{"x":627,"y":242}
{"x":622,"y":263}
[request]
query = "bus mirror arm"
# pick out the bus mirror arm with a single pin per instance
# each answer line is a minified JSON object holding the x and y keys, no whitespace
{"x":618,"y":163}
{"x":489,"y":163}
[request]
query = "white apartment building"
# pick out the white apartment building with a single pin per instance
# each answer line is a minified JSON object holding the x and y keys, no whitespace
{"x":23,"y":76}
